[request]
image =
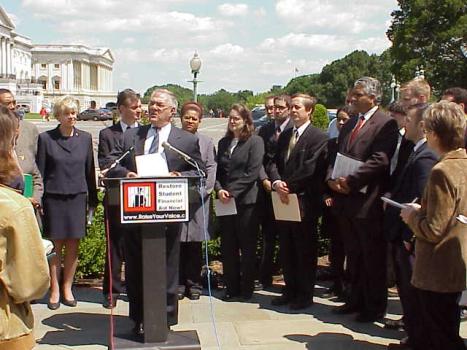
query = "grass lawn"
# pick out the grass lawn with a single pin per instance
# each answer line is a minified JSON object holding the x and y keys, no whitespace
{"x":32,"y":116}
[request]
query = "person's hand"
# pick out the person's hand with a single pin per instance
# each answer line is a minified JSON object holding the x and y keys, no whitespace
{"x":224,"y":196}
{"x":281,"y":188}
{"x":34,"y":203}
{"x":175,"y":173}
{"x":408,"y":210}
{"x":267,"y":185}
{"x":345,"y":189}
{"x":132,"y":174}
{"x":334,"y":185}
{"x":408,"y":246}
{"x":329,"y":202}
{"x":284,"y":197}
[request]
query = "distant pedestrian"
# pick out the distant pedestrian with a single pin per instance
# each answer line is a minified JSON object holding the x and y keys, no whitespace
{"x":44,"y":115}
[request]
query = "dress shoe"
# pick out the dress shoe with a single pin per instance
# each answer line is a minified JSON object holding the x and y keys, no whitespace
{"x":282,"y":300}
{"x":138,"y":329}
{"x":300,"y":304}
{"x":53,"y":306}
{"x":70,"y":303}
{"x":345,"y":309}
{"x":394,"y":324}
{"x":107,"y":303}
{"x":194,"y":294}
{"x":365,"y":317}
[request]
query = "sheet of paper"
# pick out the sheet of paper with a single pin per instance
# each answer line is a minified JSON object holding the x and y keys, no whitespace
{"x":345,"y":166}
{"x":153,"y":164}
{"x":223,"y":209}
{"x":286,"y":212}
{"x":462,"y":218}
{"x":393,"y":203}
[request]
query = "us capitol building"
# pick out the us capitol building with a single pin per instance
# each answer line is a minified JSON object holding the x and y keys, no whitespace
{"x":40,"y":74}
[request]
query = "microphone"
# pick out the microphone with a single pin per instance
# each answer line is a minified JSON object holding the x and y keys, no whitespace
{"x":169,"y":147}
{"x":184,"y":156}
{"x":117,"y":161}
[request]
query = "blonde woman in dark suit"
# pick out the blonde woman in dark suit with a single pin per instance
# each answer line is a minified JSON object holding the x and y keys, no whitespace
{"x":65,"y":159}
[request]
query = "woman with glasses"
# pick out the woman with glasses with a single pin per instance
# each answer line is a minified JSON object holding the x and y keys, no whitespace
{"x":238,"y":164}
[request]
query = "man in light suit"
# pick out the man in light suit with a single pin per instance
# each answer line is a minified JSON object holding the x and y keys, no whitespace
{"x":370,"y":137}
{"x":299,"y":167}
{"x":270,"y":134}
{"x":129,"y":107}
{"x":145,"y":140}
{"x":26,"y":148}
{"x":409,"y":186}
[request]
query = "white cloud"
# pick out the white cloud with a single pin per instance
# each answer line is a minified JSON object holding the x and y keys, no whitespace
{"x":233,"y":9}
{"x":227,"y":50}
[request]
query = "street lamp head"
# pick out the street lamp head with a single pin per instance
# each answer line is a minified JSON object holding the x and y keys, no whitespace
{"x":195,"y":63}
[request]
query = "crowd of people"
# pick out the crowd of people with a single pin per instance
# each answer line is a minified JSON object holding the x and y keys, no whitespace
{"x":413,"y":153}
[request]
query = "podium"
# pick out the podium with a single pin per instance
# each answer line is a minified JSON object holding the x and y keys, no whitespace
{"x":152,"y":203}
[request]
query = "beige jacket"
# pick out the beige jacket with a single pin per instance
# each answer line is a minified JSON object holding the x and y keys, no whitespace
{"x":441,"y":239}
{"x":24,"y":274}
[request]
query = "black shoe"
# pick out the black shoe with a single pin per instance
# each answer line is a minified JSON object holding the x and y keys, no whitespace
{"x":70,"y":303}
{"x":345,"y":309}
{"x":53,"y":306}
{"x":365,"y":317}
{"x":107,"y":303}
{"x":300,"y":304}
{"x":138,"y":329}
{"x":282,"y":300}
{"x":258,"y":286}
{"x":194,"y":294}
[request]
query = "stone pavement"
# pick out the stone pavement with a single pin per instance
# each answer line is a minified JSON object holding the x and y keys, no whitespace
{"x":255,"y":325}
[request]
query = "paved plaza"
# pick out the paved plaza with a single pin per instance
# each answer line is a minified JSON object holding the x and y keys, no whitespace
{"x":255,"y":325}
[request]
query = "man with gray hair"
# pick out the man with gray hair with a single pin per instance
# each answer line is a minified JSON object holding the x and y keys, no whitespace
{"x":371,"y":137}
{"x":149,"y":139}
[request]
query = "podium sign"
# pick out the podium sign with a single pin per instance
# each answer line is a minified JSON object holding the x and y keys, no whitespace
{"x":154,"y":200}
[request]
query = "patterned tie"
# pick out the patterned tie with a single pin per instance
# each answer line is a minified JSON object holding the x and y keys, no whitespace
{"x":292,"y":143}
{"x":155,"y":142}
{"x":356,"y":129}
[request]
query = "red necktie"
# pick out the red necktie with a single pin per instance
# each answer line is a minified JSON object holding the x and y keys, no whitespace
{"x":356,"y":129}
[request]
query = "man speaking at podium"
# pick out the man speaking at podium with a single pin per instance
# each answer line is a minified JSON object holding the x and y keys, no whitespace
{"x":149,"y":139}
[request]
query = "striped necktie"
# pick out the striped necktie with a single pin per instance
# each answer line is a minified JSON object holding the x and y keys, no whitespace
{"x":155,"y":141}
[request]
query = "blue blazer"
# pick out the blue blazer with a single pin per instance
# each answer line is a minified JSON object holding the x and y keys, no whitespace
{"x":67,"y":164}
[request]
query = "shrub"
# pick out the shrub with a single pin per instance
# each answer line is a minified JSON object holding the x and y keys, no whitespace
{"x":320,"y":117}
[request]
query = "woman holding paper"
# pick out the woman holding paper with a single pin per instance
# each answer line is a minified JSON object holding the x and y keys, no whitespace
{"x":439,"y":272}
{"x":23,"y":269}
{"x":65,"y":159}
{"x":239,"y":160}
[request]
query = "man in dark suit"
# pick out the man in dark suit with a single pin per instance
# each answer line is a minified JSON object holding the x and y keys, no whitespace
{"x":409,"y":186}
{"x":299,"y":167}
{"x":145,"y":140}
{"x":270,"y":134}
{"x":129,"y":107}
{"x":370,"y":137}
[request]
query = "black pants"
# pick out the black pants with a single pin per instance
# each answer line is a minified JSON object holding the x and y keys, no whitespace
{"x":299,"y":254}
{"x":269,"y":241}
{"x":366,"y":249}
{"x":134,"y":272}
{"x":191,"y":260}
{"x":112,"y":214}
{"x":331,"y":229}
{"x":238,"y":249}
{"x":439,"y":313}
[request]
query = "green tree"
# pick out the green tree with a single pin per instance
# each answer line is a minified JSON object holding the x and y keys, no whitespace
{"x":183,"y":94}
{"x":320,"y":117}
{"x":430,"y":33}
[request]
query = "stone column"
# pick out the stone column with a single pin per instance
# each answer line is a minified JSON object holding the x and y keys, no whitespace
{"x":8,"y":57}
{"x":2,"y":48}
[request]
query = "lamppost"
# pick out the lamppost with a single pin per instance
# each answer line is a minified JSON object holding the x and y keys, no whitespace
{"x":420,"y":73}
{"x":195,"y":65}
{"x":394,"y":89}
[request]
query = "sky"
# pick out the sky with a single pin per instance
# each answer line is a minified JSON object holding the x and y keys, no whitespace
{"x":245,"y":45}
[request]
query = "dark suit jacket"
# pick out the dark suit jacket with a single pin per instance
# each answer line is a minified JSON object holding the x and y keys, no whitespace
{"x":374,"y":144}
{"x":67,"y":167}
{"x":410,"y":184}
{"x":405,"y":150}
{"x":305,"y":170}
{"x":267,"y":133}
{"x":238,"y":173}
{"x":108,"y":140}
{"x":183,"y":140}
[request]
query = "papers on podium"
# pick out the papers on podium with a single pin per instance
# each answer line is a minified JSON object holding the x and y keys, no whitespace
{"x":345,"y":166}
{"x":153,"y":164}
{"x":224,"y":209}
{"x":286,"y":212}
